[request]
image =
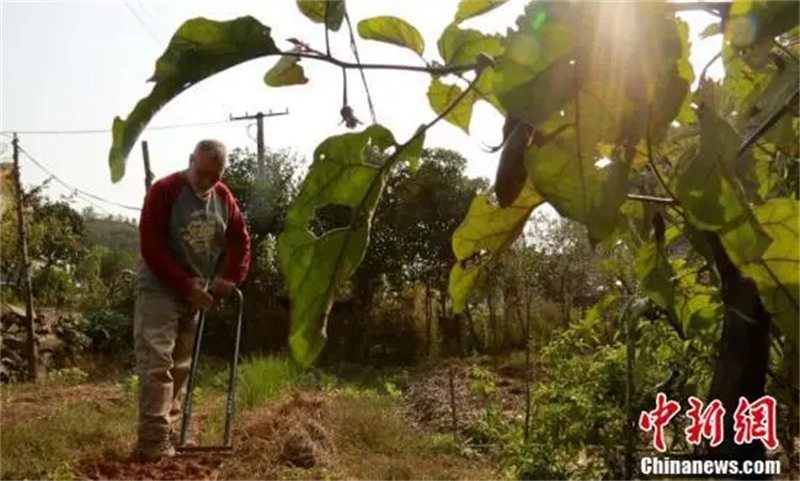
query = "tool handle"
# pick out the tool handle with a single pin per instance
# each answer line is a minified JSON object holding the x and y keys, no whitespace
{"x":230,"y":408}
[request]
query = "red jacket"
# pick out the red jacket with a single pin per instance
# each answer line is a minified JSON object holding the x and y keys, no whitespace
{"x":183,"y":237}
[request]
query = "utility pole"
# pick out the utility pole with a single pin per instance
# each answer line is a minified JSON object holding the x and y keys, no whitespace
{"x":148,"y":174}
{"x":30,"y":350}
{"x":259,"y":117}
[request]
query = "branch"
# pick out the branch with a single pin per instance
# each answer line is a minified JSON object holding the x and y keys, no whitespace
{"x":354,"y":48}
{"x":711,"y":7}
{"x":710,"y":62}
{"x":769,"y":122}
{"x":650,"y":198}
{"x":786,"y":51}
{"x":325,"y":25}
{"x":450,"y":107}
{"x":793,"y":390}
{"x":654,"y":168}
{"x":383,"y":66}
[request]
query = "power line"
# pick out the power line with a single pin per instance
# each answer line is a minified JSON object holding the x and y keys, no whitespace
{"x":75,"y":189}
{"x":142,"y":23}
{"x":106,"y":131}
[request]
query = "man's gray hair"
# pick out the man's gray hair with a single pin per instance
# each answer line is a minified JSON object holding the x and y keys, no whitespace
{"x":214,"y":147}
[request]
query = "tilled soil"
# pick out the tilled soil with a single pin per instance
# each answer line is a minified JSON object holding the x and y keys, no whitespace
{"x":200,"y":467}
{"x":291,"y":434}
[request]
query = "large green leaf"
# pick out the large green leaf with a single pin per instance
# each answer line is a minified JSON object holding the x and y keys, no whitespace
{"x":576,"y":171}
{"x":315,"y":10}
{"x":392,"y":30}
{"x":655,"y":273}
{"x":200,"y":48}
{"x":696,"y":313}
{"x":777,"y":273}
{"x":778,"y":90}
{"x":286,"y":71}
{"x":754,"y":22}
{"x":459,"y":46}
{"x":484,"y":89}
{"x":473,"y":8}
{"x":705,"y":186}
{"x":441,"y":96}
{"x":564,"y":68}
{"x":348,"y":175}
{"x":486,"y":231}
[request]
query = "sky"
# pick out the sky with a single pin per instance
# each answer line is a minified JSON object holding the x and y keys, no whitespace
{"x":76,"y":65}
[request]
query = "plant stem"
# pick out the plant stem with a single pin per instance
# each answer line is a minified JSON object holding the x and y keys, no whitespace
{"x":382,"y":66}
{"x":654,"y":200}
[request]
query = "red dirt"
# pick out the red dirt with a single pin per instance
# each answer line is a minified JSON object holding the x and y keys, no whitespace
{"x":204,"y":467}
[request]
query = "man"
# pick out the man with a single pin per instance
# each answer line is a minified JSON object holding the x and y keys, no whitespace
{"x":194,"y":247}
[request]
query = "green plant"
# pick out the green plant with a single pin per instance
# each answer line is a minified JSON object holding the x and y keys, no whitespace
{"x":391,"y":389}
{"x":131,"y":386}
{"x":262,"y":378}
{"x":70,"y":376}
{"x":110,"y":331}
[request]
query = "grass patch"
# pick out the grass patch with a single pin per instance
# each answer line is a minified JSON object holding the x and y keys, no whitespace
{"x":48,"y":446}
{"x":263,"y":378}
{"x":375,"y":441}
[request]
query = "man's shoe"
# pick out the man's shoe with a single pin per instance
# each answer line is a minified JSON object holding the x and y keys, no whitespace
{"x":154,"y":452}
{"x":175,"y":438}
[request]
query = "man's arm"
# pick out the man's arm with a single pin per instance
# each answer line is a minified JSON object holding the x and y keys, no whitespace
{"x":153,"y":232}
{"x":237,"y":243}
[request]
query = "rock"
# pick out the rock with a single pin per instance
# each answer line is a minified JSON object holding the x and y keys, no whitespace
{"x":50,"y":344}
{"x":12,"y":310}
{"x":14,"y":342}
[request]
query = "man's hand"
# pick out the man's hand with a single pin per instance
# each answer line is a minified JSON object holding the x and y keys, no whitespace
{"x":199,"y":298}
{"x":223,"y":288}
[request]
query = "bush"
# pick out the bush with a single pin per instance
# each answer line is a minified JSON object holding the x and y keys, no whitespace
{"x":577,"y":424}
{"x":53,"y":286}
{"x":110,"y":332}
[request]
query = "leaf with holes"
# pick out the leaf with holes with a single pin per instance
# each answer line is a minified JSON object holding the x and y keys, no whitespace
{"x":199,"y":49}
{"x":337,"y":200}
{"x":392,"y":30}
{"x":486,"y":232}
{"x":315,"y":10}
{"x":441,"y":96}
{"x":777,"y":273}
{"x":459,"y":46}
{"x":473,"y":8}
{"x":287,"y":71}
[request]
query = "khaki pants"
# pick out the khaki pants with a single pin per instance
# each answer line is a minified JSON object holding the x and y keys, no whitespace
{"x":163,"y":333}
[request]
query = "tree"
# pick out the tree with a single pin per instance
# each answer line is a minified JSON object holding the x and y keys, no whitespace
{"x":56,"y":235}
{"x":413,"y":226}
{"x":264,"y":201}
{"x":603,"y":128}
